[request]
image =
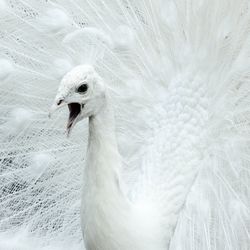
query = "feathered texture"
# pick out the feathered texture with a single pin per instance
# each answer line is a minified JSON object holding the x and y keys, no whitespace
{"x":178,"y":74}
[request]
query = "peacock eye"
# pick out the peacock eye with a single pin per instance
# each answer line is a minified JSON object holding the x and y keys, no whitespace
{"x":82,"y":88}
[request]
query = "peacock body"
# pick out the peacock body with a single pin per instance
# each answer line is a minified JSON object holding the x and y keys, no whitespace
{"x":161,"y":160}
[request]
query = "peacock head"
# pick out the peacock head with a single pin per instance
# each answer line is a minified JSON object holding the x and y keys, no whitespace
{"x":83,"y":91}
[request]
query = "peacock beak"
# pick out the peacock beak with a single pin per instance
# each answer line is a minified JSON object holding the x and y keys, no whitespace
{"x":58,"y":103}
{"x":74,"y":112}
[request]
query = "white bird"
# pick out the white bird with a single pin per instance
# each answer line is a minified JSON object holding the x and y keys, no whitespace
{"x":109,"y":220}
{"x":164,"y":88}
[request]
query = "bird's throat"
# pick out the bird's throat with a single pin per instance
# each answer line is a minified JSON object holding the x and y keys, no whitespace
{"x":103,"y":158}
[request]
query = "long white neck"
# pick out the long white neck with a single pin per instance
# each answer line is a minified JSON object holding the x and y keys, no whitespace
{"x":109,"y":220}
{"x":103,"y":158}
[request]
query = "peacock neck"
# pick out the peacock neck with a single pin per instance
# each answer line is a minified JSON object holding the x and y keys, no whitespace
{"x":103,"y":158}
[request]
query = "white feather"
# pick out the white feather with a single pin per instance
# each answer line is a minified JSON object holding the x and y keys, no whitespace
{"x":54,"y":20}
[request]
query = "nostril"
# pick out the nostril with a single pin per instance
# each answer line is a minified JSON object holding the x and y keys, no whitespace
{"x":59,"y":102}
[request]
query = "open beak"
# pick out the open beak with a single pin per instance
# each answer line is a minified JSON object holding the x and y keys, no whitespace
{"x":74,"y":111}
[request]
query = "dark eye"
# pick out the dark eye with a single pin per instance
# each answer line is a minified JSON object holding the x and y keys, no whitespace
{"x":82,"y":88}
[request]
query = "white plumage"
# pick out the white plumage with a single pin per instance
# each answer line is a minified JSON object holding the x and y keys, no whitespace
{"x":168,"y":168}
{"x":109,"y":219}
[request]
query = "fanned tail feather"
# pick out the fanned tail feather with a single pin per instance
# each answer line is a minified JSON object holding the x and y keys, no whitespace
{"x":178,"y":73}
